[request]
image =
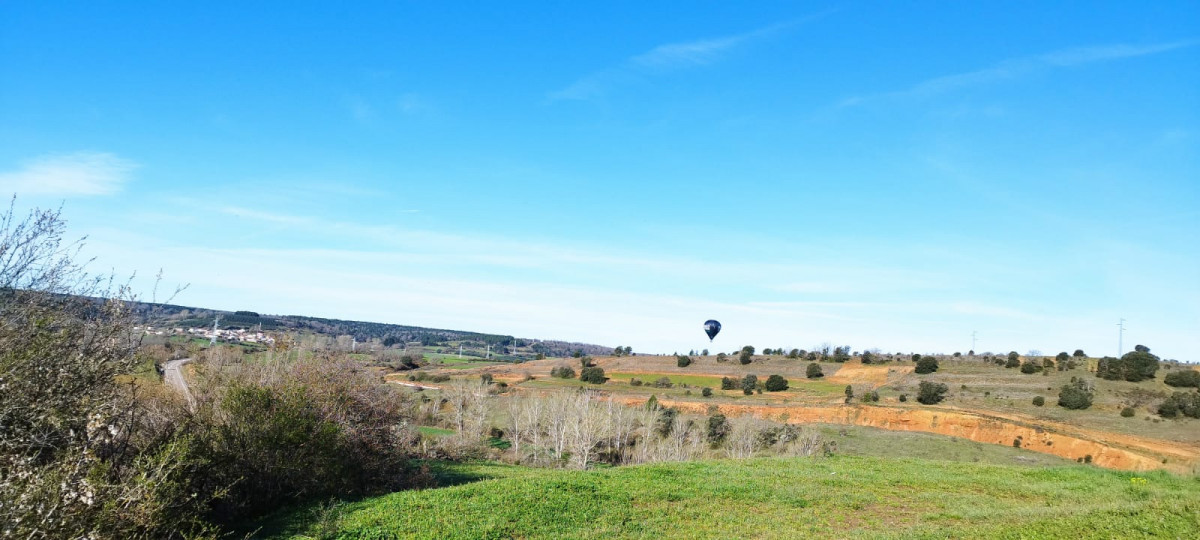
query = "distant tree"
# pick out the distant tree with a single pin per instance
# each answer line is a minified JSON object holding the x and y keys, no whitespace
{"x":665,"y":423}
{"x":1048,"y":364}
{"x":1075,"y":395}
{"x":927,"y":364}
{"x":1139,"y":365}
{"x":718,"y":429}
{"x":683,"y":361}
{"x":930,"y":393}
{"x":916,"y":357}
{"x":704,"y":352}
{"x":628,"y":351}
{"x":849,"y":393}
{"x":841,"y":354}
{"x":1030,"y":367}
{"x":749,"y":384}
{"x":903,"y":398}
{"x":1185,"y":403}
{"x":1128,"y":412}
{"x":593,"y":375}
{"x":814,"y":371}
{"x":867,"y":357}
{"x":578,"y":353}
{"x":585,"y":361}
{"x":706,"y":391}
{"x":1109,"y":368}
{"x":721,"y":357}
{"x":746,"y":355}
{"x":663,"y":382}
{"x":775,"y":383}
{"x":1062,"y":357}
{"x":870,"y":396}
{"x":768,"y":351}
{"x":1014,"y":360}
{"x":563,"y":372}
{"x":728,"y":383}
{"x":957,"y":354}
{"x":1039,"y":401}
{"x":1183,"y":378}
{"x":971,"y":352}
{"x":1079,"y":353}
{"x":651,"y":403}
{"x":1141,"y":348}
{"x":794,"y":354}
{"x":618,"y":350}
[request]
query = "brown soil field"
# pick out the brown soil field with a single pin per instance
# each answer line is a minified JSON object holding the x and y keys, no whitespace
{"x":876,"y":376}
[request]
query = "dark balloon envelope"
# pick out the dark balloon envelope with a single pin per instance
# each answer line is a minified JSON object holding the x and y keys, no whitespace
{"x":712,"y":328}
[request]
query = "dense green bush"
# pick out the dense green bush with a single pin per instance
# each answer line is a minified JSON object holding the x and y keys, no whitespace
{"x":718,"y":429}
{"x":775,"y":383}
{"x":593,"y":375}
{"x":1134,"y":366}
{"x":749,"y":384}
{"x":1128,"y":412}
{"x":706,"y":391}
{"x":930,"y":393}
{"x":927,"y":364}
{"x":1185,"y":403}
{"x":562,"y":372}
{"x":1183,"y":378}
{"x":1014,"y":360}
{"x":1039,"y":401}
{"x":1075,"y":395}
{"x":683,"y":361}
{"x":728,"y":383}
{"x":746,"y":355}
{"x":903,"y":398}
{"x":1030,"y":367}
{"x":663,"y":382}
{"x":814,"y":371}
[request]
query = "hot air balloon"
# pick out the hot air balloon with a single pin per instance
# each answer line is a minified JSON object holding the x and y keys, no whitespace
{"x":712,"y":328}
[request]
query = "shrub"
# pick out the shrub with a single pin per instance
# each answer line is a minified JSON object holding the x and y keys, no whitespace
{"x":814,"y":371}
{"x":1134,"y":366}
{"x":635,"y":382}
{"x":486,"y":378}
{"x":663,"y":382}
{"x":1075,"y":395}
{"x":1183,"y":378}
{"x":927,"y":364}
{"x":930,"y":393}
{"x":1128,"y":412}
{"x":593,"y":375}
{"x":706,"y":391}
{"x":722,"y":357}
{"x":718,"y":429}
{"x":1014,"y":360}
{"x":1079,"y":353}
{"x":683,"y":361}
{"x":665,"y":421}
{"x":903,"y":398}
{"x":728,"y":383}
{"x":870,"y":397}
{"x":849,"y":393}
{"x":775,"y":383}
{"x":1030,"y":367}
{"x":1039,"y":401}
{"x":749,"y":383}
{"x":1185,"y":403}
{"x":563,"y":372}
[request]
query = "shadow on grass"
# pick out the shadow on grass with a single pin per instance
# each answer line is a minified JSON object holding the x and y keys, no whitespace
{"x":302,"y":517}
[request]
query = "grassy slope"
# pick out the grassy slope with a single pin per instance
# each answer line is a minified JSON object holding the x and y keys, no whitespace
{"x":844,"y":496}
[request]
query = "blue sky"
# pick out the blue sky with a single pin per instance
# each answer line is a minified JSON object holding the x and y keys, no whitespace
{"x":889,"y":176}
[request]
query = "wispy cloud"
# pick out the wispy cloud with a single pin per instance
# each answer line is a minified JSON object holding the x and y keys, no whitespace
{"x":669,"y":56}
{"x":1017,"y":67}
{"x":65,"y":175}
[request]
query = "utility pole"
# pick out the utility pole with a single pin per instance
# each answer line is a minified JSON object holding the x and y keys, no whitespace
{"x":489,"y":352}
{"x":1120,"y":337}
{"x":213,"y":341}
{"x":972,"y":343}
{"x":460,"y":350}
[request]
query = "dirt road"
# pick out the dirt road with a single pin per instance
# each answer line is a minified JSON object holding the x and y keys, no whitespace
{"x":173,"y":375}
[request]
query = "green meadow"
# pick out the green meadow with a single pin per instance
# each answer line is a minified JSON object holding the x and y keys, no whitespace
{"x":834,"y":497}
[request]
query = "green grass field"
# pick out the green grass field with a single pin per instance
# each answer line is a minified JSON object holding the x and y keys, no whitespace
{"x":842,"y":497}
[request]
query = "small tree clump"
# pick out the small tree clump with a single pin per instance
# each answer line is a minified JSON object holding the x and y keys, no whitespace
{"x":722,"y":357}
{"x":775,"y":383}
{"x":683,"y":361}
{"x":903,"y":398}
{"x":1075,"y":395}
{"x":1039,"y":401}
{"x":728,"y":383}
{"x":706,"y":391}
{"x":663,"y":382}
{"x":1030,"y":367}
{"x":926,"y":364}
{"x":1185,"y":403}
{"x":593,"y":375}
{"x":930,"y":393}
{"x":563,"y":372}
{"x":814,"y":371}
{"x":1128,"y":412}
{"x":749,"y":384}
{"x":1014,"y":360}
{"x":1188,"y":378}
